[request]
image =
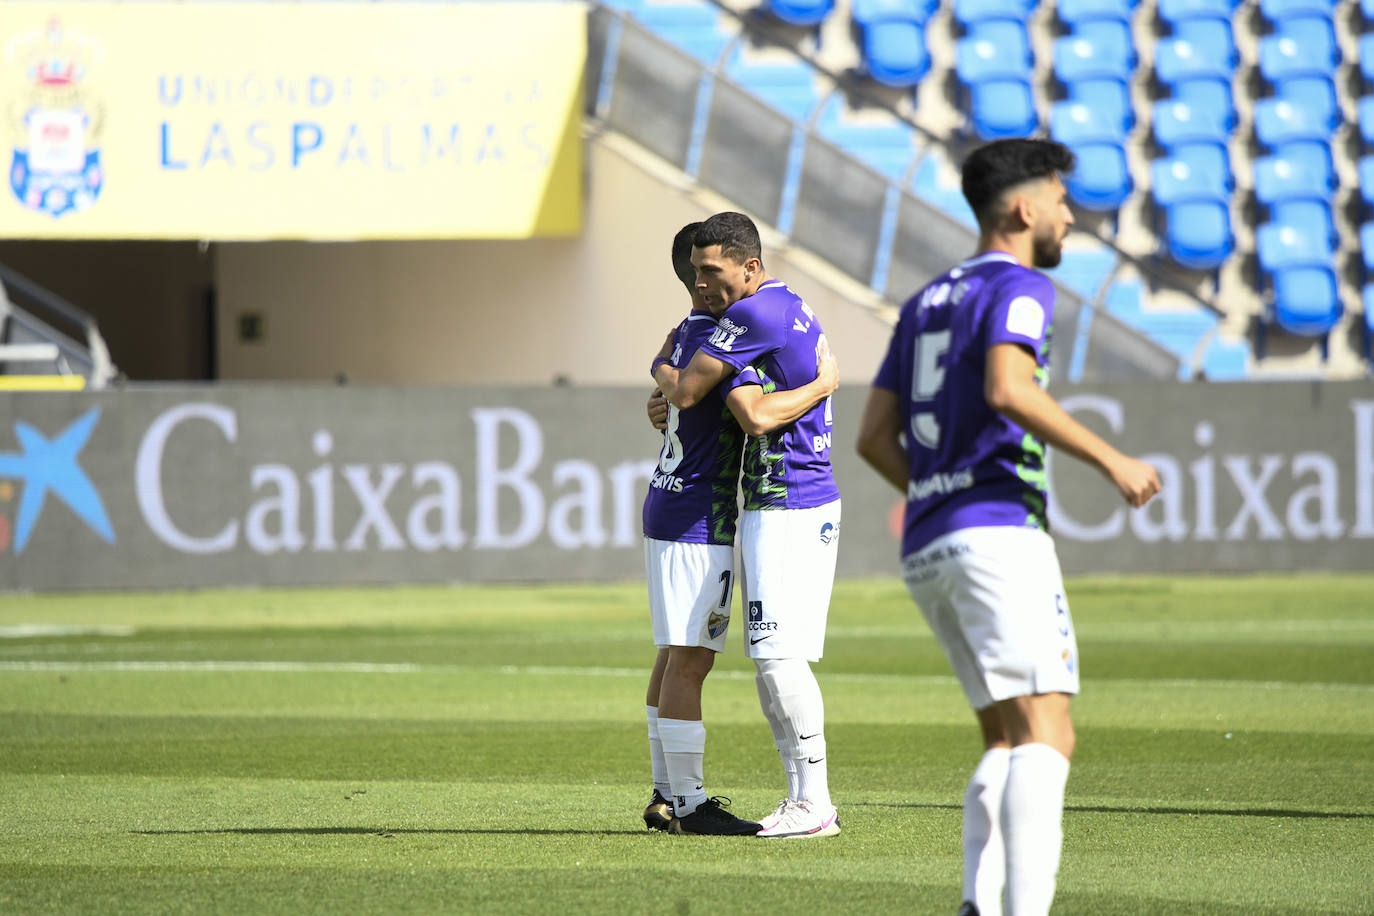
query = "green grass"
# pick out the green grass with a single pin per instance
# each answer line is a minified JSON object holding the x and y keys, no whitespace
{"x":483,"y":750}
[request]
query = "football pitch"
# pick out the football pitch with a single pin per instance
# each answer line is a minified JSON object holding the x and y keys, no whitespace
{"x":483,"y":750}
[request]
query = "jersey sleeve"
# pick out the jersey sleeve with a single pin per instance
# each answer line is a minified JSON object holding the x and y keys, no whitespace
{"x":744,"y":333}
{"x":1021,"y":312}
{"x":890,"y":368}
{"x":746,"y":376}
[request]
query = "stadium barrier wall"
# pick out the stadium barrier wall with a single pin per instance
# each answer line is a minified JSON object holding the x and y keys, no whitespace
{"x":295,"y":485}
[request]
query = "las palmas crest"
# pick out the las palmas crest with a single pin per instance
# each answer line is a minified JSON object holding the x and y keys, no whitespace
{"x":55,"y":123}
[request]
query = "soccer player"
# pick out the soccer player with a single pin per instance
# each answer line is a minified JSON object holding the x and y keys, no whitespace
{"x":689,"y":530}
{"x":958,"y":420}
{"x":768,"y":340}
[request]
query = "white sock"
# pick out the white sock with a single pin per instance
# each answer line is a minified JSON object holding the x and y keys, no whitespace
{"x":798,"y":705}
{"x":789,"y":763}
{"x":660,"y":766}
{"x":985,"y":867}
{"x":684,"y":746}
{"x":1032,"y":826}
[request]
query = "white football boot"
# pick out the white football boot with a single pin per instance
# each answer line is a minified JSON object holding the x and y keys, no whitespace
{"x":802,"y":820}
{"x":768,"y":821}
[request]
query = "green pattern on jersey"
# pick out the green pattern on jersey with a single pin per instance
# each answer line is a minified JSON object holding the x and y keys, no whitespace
{"x":765,"y":462}
{"x":1033,"y":473}
{"x":724,"y":501}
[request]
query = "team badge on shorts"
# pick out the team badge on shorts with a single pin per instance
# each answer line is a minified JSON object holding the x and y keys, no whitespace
{"x":829,"y":532}
{"x":717,"y":624}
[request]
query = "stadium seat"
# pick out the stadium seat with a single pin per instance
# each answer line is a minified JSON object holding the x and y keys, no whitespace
{"x":1366,"y":117}
{"x":1002,"y":108}
{"x":1306,"y":300}
{"x":801,"y":12}
{"x":967,"y":12}
{"x":1109,"y":97}
{"x":1177,"y":59}
{"x":995,"y":49}
{"x":1197,"y":172}
{"x":1074,"y":123}
{"x":1279,"y":10}
{"x":1367,"y":10}
{"x":1177,"y":122}
{"x":1198,"y":233}
{"x":1102,"y":179}
{"x":1212,"y":95}
{"x":1368,"y":301}
{"x":1312,"y":217}
{"x":887,"y":146}
{"x":1225,"y":362}
{"x":1072,"y":12}
{"x":1101,"y":49}
{"x":1213,"y":34}
{"x":1280,"y":245}
{"x":1281,"y":178}
{"x":787,"y":86}
{"x":1367,"y":57}
{"x":1315,"y":94}
{"x":1305,"y":46}
{"x":1279,"y":121}
{"x":894,"y":42}
{"x":1176,"y":11}
{"x":1367,"y":248}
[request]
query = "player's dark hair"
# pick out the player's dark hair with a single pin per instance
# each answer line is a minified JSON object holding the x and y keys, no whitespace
{"x":991,"y":169}
{"x":682,"y":255}
{"x":735,"y":233}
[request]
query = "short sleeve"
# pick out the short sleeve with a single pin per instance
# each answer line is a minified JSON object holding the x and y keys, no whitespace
{"x":889,"y":371}
{"x":747,"y":331}
{"x":1022,"y":311}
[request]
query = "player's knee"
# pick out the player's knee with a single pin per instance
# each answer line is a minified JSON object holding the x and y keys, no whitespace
{"x":690,"y":663}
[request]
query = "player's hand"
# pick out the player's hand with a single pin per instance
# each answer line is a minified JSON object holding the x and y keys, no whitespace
{"x":1136,"y":480}
{"x":658,"y":409}
{"x":827,"y":370}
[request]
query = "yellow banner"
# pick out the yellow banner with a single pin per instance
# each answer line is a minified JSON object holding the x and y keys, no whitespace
{"x":321,"y":121}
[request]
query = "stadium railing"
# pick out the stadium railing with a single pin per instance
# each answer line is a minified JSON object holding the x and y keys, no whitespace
{"x":36,"y":353}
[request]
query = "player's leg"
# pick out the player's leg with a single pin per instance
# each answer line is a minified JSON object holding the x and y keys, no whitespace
{"x":935,"y":583}
{"x":660,"y":810}
{"x":680,"y":728}
{"x":789,"y":573}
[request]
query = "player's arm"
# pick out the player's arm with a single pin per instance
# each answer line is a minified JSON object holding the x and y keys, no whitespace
{"x":1010,"y":389}
{"x":759,"y":414}
{"x":880,"y":437}
{"x":687,"y":386}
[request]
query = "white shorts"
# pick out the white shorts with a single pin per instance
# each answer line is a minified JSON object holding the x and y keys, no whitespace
{"x":788,"y":570}
{"x":994,"y":597}
{"x":690,"y":586}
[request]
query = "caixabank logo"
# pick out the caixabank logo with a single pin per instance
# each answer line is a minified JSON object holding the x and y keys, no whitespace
{"x":43,"y":471}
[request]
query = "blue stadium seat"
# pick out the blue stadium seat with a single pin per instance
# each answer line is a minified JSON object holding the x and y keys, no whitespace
{"x":1315,"y":94}
{"x":1100,"y":49}
{"x":1176,"y":11}
{"x":1367,"y":10}
{"x":1177,"y":59}
{"x":1367,"y":248}
{"x":1195,"y":172}
{"x":894,"y":41}
{"x":1072,"y":12}
{"x":1102,"y":179}
{"x":1208,"y":95}
{"x":1282,"y":178}
{"x":993,"y":49}
{"x":1109,"y":97}
{"x":801,"y":12}
{"x":1366,"y":116}
{"x":1367,"y":56}
{"x":1215,"y":35}
{"x":1278,"y":10}
{"x":1279,"y":121}
{"x":1305,"y":46}
{"x":1292,"y":242}
{"x":1313,"y":218}
{"x":1368,"y":298}
{"x":1177,"y":122}
{"x":789,"y":87}
{"x":967,"y":12}
{"x":1198,"y":233}
{"x":1073,"y":123}
{"x":1306,"y":300}
{"x":1002,"y":108}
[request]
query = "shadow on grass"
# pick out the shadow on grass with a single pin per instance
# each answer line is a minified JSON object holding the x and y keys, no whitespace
{"x":376,"y":831}
{"x":1107,"y":809}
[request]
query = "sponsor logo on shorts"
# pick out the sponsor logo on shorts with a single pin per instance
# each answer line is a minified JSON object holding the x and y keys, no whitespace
{"x":717,"y":623}
{"x":758,"y":625}
{"x":829,"y":532}
{"x":1068,"y":660}
{"x":1061,"y":615}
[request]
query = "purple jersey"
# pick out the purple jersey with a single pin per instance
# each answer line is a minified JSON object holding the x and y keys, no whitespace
{"x":970,"y":466}
{"x":692,"y":493}
{"x":770,"y":339}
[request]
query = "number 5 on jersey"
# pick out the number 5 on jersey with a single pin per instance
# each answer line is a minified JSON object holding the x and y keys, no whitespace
{"x":926,"y":378}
